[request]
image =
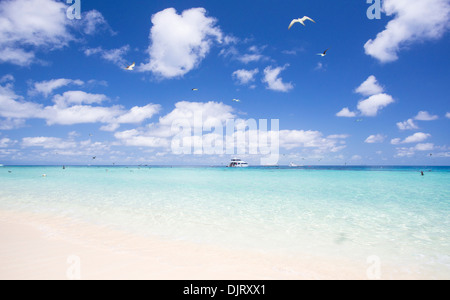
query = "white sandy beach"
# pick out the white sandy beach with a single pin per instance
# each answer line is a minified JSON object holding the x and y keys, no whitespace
{"x":36,"y":246}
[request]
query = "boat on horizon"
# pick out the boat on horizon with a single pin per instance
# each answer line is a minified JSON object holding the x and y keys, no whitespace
{"x":237,"y":163}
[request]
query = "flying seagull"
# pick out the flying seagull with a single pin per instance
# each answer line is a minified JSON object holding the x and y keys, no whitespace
{"x":94,"y":157}
{"x":195,"y":90}
{"x":324,"y":53}
{"x":236,"y":100}
{"x":131,"y":67}
{"x":301,"y":21}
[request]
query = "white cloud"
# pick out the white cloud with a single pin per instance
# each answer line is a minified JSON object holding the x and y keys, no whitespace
{"x":69,"y":109}
{"x":92,"y":22}
{"x":12,"y":106}
{"x":11,"y":123}
{"x":345,"y":112}
{"x":411,"y":151}
{"x":290,"y":139}
{"x":415,"y":138}
{"x":180,"y":42}
{"x":254,"y":54}
{"x":209,"y":113}
{"x":7,"y":78}
{"x":31,"y":24}
{"x":425,"y":116}
{"x":414,"y":21}
{"x":66,"y":147}
{"x":47,"y":143}
{"x":447,"y":115}
{"x":141,"y":139}
{"x":47,"y":87}
{"x":274,"y":82}
{"x":424,"y":147}
{"x":338,"y":136}
{"x":78,"y":97}
{"x":245,"y":76}
{"x":28,"y":26}
{"x":370,"y":87}
{"x":115,"y":56}
{"x":373,"y":104}
{"x":407,"y":125}
{"x":6,"y":142}
{"x":138,"y":114}
{"x":378,"y":138}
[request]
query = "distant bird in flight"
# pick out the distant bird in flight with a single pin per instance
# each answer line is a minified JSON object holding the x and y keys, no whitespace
{"x":359,"y":120}
{"x":195,"y":90}
{"x":324,"y":53}
{"x":301,"y":21}
{"x":236,"y":100}
{"x":131,"y":67}
{"x":94,"y":157}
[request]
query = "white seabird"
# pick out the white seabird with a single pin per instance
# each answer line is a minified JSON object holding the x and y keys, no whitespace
{"x":301,"y":21}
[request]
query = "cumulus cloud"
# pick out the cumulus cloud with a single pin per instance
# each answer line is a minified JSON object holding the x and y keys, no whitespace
{"x":377,"y":138}
{"x":179,"y":42}
{"x":415,"y":138}
{"x":425,"y":116}
{"x":7,"y":78}
{"x":197,"y":115}
{"x":254,"y":54}
{"x":28,"y":26}
{"x":274,"y":82}
{"x":414,"y":21}
{"x":47,"y":87}
{"x":11,"y":123}
{"x":411,"y":151}
{"x":346,"y":113}
{"x":244,"y":77}
{"x":6,"y":142}
{"x":373,"y":104}
{"x":115,"y":56}
{"x":370,"y":87}
{"x":47,"y":143}
{"x":290,"y":139}
{"x":407,"y":125}
{"x":251,"y":55}
{"x":78,"y":97}
{"x":72,"y":107}
{"x":92,"y":22}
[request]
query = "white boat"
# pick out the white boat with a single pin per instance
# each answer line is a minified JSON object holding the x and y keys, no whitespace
{"x":237,"y":163}
{"x":292,"y":165}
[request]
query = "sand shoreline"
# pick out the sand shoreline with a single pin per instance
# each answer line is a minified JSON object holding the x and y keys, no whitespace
{"x":37,"y":246}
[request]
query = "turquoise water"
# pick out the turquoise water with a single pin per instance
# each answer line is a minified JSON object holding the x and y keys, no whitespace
{"x":352,"y":213}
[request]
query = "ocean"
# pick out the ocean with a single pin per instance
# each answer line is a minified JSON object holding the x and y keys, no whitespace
{"x":351,"y":213}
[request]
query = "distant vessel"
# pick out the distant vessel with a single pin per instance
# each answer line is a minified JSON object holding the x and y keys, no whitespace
{"x":292,"y":165}
{"x":237,"y":163}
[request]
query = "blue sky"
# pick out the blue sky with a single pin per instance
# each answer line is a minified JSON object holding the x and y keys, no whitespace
{"x":379,"y":96}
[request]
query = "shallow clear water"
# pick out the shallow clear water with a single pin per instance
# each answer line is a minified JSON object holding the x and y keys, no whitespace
{"x":354,"y":212}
